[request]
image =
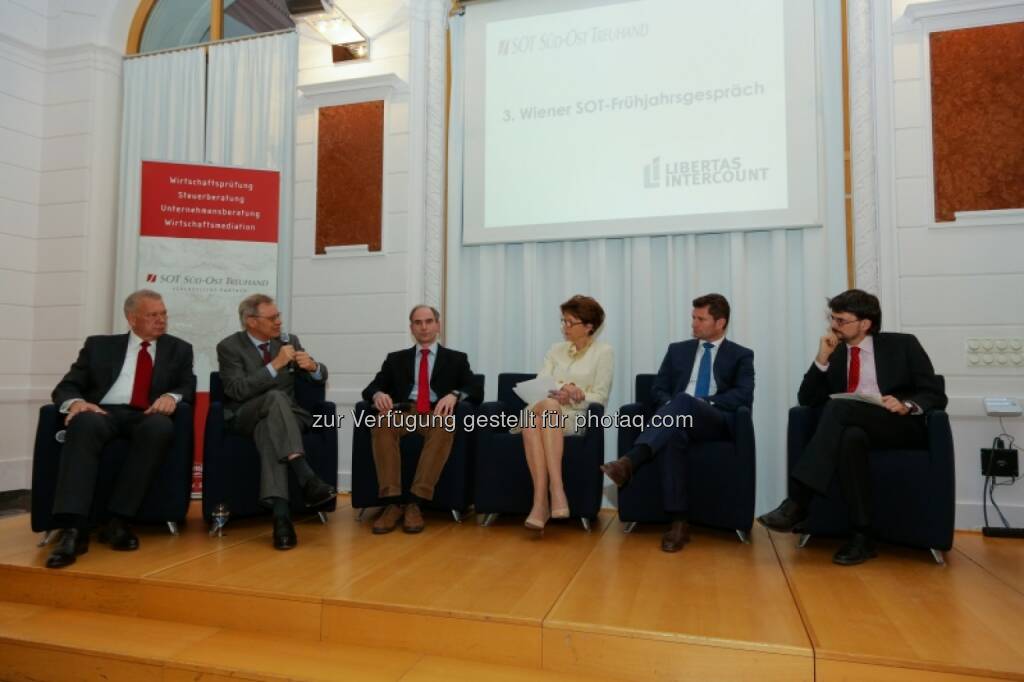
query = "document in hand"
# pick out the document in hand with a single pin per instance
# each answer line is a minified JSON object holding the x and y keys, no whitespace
{"x":869,"y":398}
{"x":535,"y":390}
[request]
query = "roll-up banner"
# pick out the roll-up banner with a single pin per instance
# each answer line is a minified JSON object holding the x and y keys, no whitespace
{"x":208,"y":238}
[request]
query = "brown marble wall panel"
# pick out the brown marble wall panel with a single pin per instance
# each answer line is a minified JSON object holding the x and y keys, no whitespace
{"x":978,"y":118}
{"x":350,"y":175}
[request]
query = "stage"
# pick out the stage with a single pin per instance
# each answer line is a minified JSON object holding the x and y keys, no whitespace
{"x":465,"y":602}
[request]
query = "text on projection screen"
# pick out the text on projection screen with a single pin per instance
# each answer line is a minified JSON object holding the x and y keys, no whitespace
{"x":638,"y":117}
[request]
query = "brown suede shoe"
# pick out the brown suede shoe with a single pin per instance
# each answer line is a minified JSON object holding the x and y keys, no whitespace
{"x":677,"y":535}
{"x":388,"y":520}
{"x":620,"y":471}
{"x":413,"y":522}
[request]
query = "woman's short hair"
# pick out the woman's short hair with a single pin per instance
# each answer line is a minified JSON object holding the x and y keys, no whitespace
{"x":587,"y":309}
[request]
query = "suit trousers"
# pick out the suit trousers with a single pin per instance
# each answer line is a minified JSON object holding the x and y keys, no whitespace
{"x":276,"y":423}
{"x":86,"y":435}
{"x":670,"y":440}
{"x":847,"y":432}
{"x":387,"y":458}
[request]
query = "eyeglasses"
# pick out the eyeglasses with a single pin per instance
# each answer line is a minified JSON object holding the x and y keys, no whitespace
{"x":840,"y":322}
{"x":569,"y":323}
{"x":272,"y":318}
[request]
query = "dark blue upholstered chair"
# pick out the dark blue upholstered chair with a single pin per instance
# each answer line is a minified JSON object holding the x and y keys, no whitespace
{"x":721,"y":475}
{"x":913,"y":491}
{"x":503,"y":484}
{"x":167,"y":499}
{"x":454,"y":490}
{"x":231,"y":464}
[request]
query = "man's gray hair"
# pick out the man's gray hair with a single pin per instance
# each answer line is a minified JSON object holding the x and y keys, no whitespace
{"x":249,"y":307}
{"x":133,"y":299}
{"x":437,"y":313}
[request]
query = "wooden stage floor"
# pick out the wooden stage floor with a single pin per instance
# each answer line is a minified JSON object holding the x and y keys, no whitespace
{"x":461,"y":601}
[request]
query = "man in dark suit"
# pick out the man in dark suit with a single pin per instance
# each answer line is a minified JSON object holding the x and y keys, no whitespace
{"x":700,"y":384}
{"x":258,"y":371}
{"x":120,"y":385}
{"x":855,"y":357}
{"x":420,"y":384}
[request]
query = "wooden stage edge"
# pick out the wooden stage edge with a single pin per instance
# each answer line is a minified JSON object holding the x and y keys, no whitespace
{"x":601,"y":604}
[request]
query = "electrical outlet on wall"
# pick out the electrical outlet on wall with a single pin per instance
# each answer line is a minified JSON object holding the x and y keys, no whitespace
{"x":989,"y":351}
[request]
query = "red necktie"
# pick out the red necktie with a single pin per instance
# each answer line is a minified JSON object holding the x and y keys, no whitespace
{"x":143,"y":378}
{"x":854,"y":377}
{"x":423,"y":384}
{"x":265,"y":349}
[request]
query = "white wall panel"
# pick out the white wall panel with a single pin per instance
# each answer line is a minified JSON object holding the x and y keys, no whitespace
{"x":17,"y":287}
{"x":339,"y":314}
{"x":64,"y":186}
{"x":58,"y":323}
{"x":60,"y":255}
{"x":912,"y":206}
{"x":910,"y":155}
{"x":352,"y":275}
{"x":907,"y":99}
{"x":63,"y":220}
{"x":65,"y":152}
{"x":977,"y":300}
{"x":960,"y":250}
{"x":17,"y":253}
{"x":60,"y":288}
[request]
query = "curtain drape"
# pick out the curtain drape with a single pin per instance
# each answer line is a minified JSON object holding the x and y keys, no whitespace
{"x":162,"y":120}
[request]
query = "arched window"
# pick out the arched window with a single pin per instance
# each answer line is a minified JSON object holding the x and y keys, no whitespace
{"x":166,"y":24}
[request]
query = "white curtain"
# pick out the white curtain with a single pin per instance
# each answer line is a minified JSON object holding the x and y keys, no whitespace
{"x":502,"y":301}
{"x":162,"y":120}
{"x":251,"y":122}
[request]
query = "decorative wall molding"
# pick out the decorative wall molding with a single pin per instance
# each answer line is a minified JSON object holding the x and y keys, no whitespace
{"x":348,"y":91}
{"x":864,"y":178}
{"x":437,"y":64}
{"x":946,"y":15}
{"x":1005,"y":216}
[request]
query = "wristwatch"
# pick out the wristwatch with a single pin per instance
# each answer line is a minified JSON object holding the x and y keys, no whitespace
{"x":911,"y":407}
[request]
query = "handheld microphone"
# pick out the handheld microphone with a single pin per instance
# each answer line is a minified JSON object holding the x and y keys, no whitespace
{"x":285,"y":340}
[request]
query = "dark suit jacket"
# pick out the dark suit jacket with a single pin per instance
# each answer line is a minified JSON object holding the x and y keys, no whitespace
{"x":244,"y":375}
{"x":902,"y":368}
{"x":733,"y":370}
{"x":100,"y":361}
{"x":451,"y":373}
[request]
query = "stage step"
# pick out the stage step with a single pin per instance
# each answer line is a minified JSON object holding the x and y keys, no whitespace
{"x":44,"y":643}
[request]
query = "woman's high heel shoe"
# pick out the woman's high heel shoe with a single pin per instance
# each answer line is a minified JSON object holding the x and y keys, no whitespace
{"x":534,"y":524}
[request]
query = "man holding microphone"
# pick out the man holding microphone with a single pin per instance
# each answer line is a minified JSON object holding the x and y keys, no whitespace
{"x":259,"y":370}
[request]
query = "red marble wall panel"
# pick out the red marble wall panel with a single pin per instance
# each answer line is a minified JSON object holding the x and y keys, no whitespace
{"x":350,"y":175}
{"x":978,"y":118}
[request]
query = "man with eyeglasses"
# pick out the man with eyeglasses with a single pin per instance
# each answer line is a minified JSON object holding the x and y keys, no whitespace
{"x":258,"y":370}
{"x":705,"y":379}
{"x":854,"y":356}
{"x":121,"y":385}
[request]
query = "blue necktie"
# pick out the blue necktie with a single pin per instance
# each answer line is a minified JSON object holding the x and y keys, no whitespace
{"x":704,"y":372}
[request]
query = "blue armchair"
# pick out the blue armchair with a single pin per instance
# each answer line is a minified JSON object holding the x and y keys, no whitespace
{"x":721,"y":482}
{"x":454,"y":490}
{"x":503,"y":484}
{"x":231,"y":465}
{"x":167,"y":499}
{"x":913,"y":491}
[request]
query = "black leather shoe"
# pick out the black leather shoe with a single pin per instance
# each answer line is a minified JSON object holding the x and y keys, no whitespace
{"x":70,"y":544}
{"x":675,"y":537}
{"x":119,"y":535}
{"x":859,"y":549}
{"x":316,"y":492}
{"x":783,"y":517}
{"x":284,"y":533}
